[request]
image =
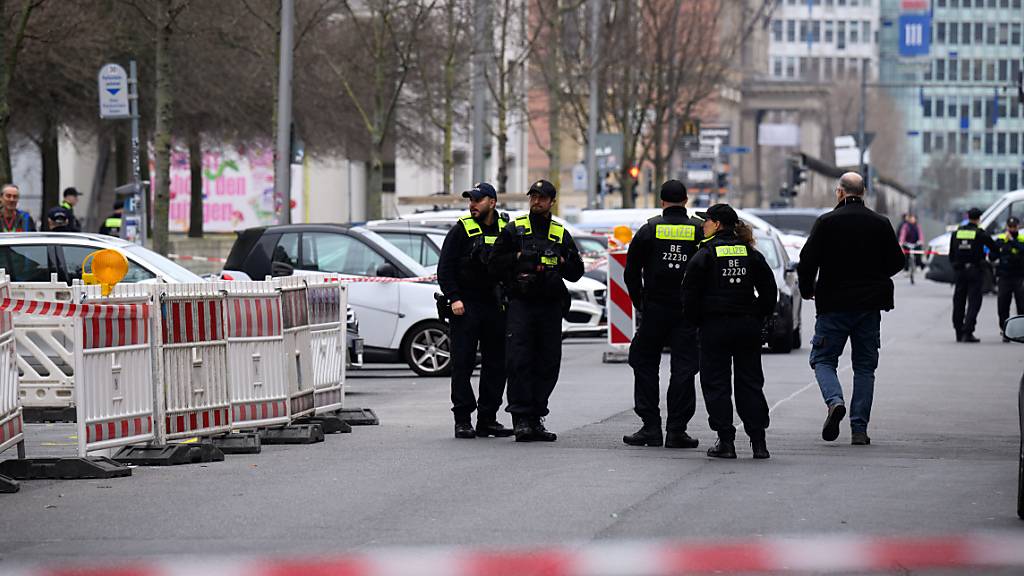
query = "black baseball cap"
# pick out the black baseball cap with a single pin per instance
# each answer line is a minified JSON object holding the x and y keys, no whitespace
{"x":721,"y":213}
{"x":72,"y":191}
{"x":974,"y":214}
{"x":673,"y":191}
{"x":544,"y":188}
{"x":1013,"y":221}
{"x":481,"y":190}
{"x":57,"y":214}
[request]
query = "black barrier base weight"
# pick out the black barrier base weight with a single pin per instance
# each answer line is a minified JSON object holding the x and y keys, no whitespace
{"x":8,"y":485}
{"x":169,"y":455}
{"x":44,"y":415}
{"x":245,"y":443}
{"x":295,"y":434}
{"x":93,"y":467}
{"x":329,"y":423}
{"x":358,"y":416}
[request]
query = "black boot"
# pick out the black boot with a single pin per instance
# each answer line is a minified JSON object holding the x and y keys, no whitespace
{"x":540,"y":433}
{"x":647,"y":435}
{"x":485,"y":428}
{"x":521,"y":428}
{"x":680,"y":440}
{"x":970,"y":338}
{"x":760,"y":448}
{"x":723,"y":449}
{"x":464,"y":430}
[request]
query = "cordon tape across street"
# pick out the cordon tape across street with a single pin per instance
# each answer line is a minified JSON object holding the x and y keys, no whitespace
{"x":821,"y":554}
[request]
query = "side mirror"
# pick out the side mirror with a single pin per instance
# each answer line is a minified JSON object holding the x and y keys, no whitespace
{"x":388,"y":270}
{"x":279,"y":268}
{"x":1014,"y":329}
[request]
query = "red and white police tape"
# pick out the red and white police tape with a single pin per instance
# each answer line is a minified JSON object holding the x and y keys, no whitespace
{"x":818,"y":554}
{"x":197,"y":258}
{"x":67,"y":309}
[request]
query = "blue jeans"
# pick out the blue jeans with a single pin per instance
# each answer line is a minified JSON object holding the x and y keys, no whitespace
{"x":831,"y":330}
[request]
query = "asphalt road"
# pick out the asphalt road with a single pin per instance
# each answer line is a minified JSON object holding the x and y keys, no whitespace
{"x":943,"y":460}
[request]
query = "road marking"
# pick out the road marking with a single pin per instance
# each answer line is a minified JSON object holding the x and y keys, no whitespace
{"x":813,"y":383}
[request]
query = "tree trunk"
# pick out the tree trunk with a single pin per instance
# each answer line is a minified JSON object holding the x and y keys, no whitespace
{"x":195,"y":167}
{"x":48,"y":152}
{"x":447,"y":161}
{"x":555,"y":140}
{"x":502,"y":176}
{"x":375,"y":182}
{"x":164,"y":122}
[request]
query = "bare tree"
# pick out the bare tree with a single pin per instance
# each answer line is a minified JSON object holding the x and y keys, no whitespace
{"x":944,"y":179}
{"x":11,"y":42}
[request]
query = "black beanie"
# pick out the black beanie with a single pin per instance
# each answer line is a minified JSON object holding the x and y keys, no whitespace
{"x":673,"y":191}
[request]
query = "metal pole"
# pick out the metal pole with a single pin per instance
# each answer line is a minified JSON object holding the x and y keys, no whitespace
{"x":860,"y":121}
{"x":283,"y":165}
{"x":481,"y":27}
{"x":139,"y":205}
{"x":592,"y":175}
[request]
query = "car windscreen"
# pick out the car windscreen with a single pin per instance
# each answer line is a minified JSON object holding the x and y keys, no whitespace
{"x":790,"y":223}
{"x":166,"y":267}
{"x":767,"y":247}
{"x":393,"y":253}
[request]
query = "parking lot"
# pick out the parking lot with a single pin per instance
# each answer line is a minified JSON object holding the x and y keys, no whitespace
{"x":943,"y":459}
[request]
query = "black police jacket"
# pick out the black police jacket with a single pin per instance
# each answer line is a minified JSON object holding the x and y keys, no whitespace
{"x":519,"y":253}
{"x":848,"y":261}
{"x":462,"y":266}
{"x":1009,"y":255}
{"x":967,"y":246}
{"x":728,"y":278}
{"x":658,"y":256}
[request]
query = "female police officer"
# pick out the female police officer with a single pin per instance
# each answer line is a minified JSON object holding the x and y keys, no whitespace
{"x":729,"y":292}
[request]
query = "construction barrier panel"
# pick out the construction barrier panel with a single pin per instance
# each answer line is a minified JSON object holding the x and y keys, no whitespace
{"x":295,"y":309}
{"x":11,"y":426}
{"x":621,"y":317}
{"x":46,"y":348}
{"x":195,"y":357}
{"x":257,"y":375}
{"x":116,"y":399}
{"x":327,"y":302}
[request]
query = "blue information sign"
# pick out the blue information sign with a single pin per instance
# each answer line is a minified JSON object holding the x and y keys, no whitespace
{"x":915,"y":34}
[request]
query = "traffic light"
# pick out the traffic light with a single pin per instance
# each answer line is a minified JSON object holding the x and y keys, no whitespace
{"x":723,"y":180}
{"x":797,"y":175}
{"x":634,"y":172}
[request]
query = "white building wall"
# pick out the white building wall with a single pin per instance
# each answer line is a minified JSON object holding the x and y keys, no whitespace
{"x":838,"y":45}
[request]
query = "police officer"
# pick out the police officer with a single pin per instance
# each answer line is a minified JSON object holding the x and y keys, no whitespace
{"x":112,"y":223}
{"x":967,"y":255}
{"x":655,"y":266}
{"x":729,"y":291}
{"x":532,"y":256}
{"x":1009,"y":256}
{"x":59,"y":219}
{"x":477,"y":314}
{"x":71,"y":197}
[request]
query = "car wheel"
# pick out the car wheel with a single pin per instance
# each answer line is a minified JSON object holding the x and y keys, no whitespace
{"x":427,"y":349}
{"x":798,"y":340}
{"x":782,"y":342}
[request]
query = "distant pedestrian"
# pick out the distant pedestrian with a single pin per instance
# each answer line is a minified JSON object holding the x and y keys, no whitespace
{"x":1010,"y":271}
{"x":729,"y":291}
{"x":847,"y":266}
{"x":112,"y":223}
{"x":967,"y":255}
{"x":71,"y":196}
{"x":12,"y":219}
{"x":58,"y":219}
{"x":910,"y":239}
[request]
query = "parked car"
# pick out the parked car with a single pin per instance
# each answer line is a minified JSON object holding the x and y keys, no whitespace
{"x":794,"y":225}
{"x":993,"y":220}
{"x":1014,"y":330}
{"x":787,"y":323}
{"x":398,"y":320}
{"x":423,"y":243}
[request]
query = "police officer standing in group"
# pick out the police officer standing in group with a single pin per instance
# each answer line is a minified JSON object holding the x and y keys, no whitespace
{"x":729,"y":291}
{"x":967,"y":255}
{"x":655,"y":266}
{"x":1009,"y":256}
{"x":477,"y":314}
{"x":532,"y":256}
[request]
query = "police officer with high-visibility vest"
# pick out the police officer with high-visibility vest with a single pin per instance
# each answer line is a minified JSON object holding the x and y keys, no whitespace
{"x":477,"y":315}
{"x":112,"y":224}
{"x":533,"y":256}
{"x":729,"y":291}
{"x":655,"y":266}
{"x":1009,"y":257}
{"x":967,"y":255}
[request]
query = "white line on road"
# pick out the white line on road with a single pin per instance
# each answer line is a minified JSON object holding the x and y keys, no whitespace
{"x":813,"y":383}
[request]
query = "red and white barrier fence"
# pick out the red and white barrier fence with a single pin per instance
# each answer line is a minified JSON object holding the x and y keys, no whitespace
{"x":297,"y":345}
{"x":621,"y":319}
{"x":45,"y":347}
{"x":11,"y":424}
{"x":972,"y":553}
{"x":328,"y":301}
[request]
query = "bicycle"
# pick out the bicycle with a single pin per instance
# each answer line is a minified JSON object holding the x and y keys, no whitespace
{"x":913,"y":254}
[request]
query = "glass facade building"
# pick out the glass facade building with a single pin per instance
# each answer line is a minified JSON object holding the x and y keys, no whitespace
{"x":823,"y":40}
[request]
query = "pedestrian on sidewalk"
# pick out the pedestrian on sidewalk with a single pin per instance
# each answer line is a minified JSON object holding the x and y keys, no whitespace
{"x":846,"y":267}
{"x":729,"y":292}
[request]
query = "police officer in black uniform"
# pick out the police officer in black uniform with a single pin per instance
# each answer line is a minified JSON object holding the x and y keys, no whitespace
{"x":967,"y":255}
{"x":655,"y":266}
{"x":1009,"y":257}
{"x":477,"y":317}
{"x":532,"y":256}
{"x":729,"y":291}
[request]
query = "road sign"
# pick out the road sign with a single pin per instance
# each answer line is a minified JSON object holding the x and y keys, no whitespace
{"x":113,"y":89}
{"x":915,"y":34}
{"x":579,"y":178}
{"x":735,"y":150}
{"x":608,"y":151}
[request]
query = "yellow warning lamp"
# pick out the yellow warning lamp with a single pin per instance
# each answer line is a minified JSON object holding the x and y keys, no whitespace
{"x":108,"y":267}
{"x":623,"y":234}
